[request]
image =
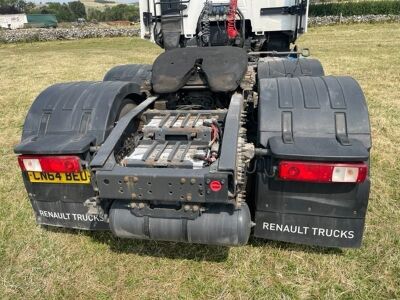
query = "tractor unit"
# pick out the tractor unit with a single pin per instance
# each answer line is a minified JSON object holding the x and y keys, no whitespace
{"x":232,"y":132}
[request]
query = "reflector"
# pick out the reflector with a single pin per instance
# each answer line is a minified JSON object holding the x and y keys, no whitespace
{"x":50,"y":164}
{"x":215,"y":186}
{"x":322,"y":172}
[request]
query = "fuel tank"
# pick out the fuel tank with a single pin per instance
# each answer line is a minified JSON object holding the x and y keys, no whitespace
{"x":218,"y":225}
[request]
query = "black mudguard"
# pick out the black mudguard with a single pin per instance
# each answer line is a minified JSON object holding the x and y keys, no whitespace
{"x":312,"y":119}
{"x":289,"y":67}
{"x":68,"y":119}
{"x":137,"y":73}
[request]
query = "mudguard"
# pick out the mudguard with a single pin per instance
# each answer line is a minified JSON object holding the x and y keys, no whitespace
{"x":68,"y":118}
{"x":137,"y":73}
{"x":318,"y":119}
{"x":272,"y":67}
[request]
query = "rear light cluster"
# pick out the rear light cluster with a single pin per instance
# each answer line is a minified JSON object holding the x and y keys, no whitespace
{"x":50,"y":164}
{"x":322,"y":172}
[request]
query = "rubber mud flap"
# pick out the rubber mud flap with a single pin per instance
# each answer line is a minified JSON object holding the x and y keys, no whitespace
{"x":310,"y":230}
{"x":67,"y":214}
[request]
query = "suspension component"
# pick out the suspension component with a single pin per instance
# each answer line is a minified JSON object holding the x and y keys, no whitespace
{"x":205,"y":21}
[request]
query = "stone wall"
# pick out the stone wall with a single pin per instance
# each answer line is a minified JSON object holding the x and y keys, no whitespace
{"x":51,"y":34}
{"x":331,"y":20}
{"x":73,"y":33}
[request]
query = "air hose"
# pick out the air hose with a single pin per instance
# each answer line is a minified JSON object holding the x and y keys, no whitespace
{"x":231,"y":20}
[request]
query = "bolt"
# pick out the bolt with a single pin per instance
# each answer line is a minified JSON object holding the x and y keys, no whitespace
{"x":126,"y":178}
{"x":135,"y":179}
{"x":141,"y":205}
{"x":134,"y":196}
{"x":195,"y":207}
{"x":189,"y":197}
{"x":183,"y":180}
{"x":192,"y":181}
{"x":133,"y":205}
{"x":186,"y":207}
{"x":208,"y":181}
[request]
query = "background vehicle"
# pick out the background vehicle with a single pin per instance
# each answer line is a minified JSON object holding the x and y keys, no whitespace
{"x":230,"y":131}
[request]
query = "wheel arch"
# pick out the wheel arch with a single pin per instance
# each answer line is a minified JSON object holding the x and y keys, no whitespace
{"x":71,"y":117}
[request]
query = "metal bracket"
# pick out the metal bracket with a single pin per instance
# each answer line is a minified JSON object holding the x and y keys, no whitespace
{"x":94,"y":207}
{"x":284,"y":10}
{"x":341,"y":129}
{"x":287,"y":127}
{"x":144,"y":210}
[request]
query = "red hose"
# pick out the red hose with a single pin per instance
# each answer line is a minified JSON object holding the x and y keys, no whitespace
{"x":231,"y":19}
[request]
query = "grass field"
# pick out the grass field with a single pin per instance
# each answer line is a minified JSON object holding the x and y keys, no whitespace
{"x":91,"y":4}
{"x":55,"y":264}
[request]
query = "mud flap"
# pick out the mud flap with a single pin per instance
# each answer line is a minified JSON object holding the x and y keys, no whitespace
{"x":309,"y":230}
{"x":68,"y":215}
{"x":328,"y":215}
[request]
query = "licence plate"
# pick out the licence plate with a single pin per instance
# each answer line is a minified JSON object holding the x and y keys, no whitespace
{"x":81,"y":177}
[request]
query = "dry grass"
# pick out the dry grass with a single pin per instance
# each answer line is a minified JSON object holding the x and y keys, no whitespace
{"x":91,"y":4}
{"x":37,"y":263}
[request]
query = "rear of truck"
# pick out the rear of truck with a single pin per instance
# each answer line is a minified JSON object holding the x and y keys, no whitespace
{"x":211,"y":144}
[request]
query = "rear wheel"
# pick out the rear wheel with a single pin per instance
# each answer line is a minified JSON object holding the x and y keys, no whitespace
{"x":126,"y":106}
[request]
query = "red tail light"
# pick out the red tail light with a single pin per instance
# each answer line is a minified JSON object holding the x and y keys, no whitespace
{"x":50,"y":164}
{"x":322,"y":172}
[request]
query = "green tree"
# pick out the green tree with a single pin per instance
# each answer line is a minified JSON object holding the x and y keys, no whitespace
{"x":121,"y":12}
{"x":12,"y":6}
{"x":29,"y":6}
{"x":95,"y":14}
{"x":78,"y":9}
{"x":62,"y":11}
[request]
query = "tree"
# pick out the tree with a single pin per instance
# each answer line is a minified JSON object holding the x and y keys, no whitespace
{"x":62,"y":11}
{"x":12,"y":6}
{"x":121,"y":12}
{"x":95,"y":14}
{"x":29,"y":6}
{"x":78,"y":9}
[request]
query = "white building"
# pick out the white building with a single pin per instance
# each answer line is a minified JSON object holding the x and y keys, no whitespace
{"x":14,"y":21}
